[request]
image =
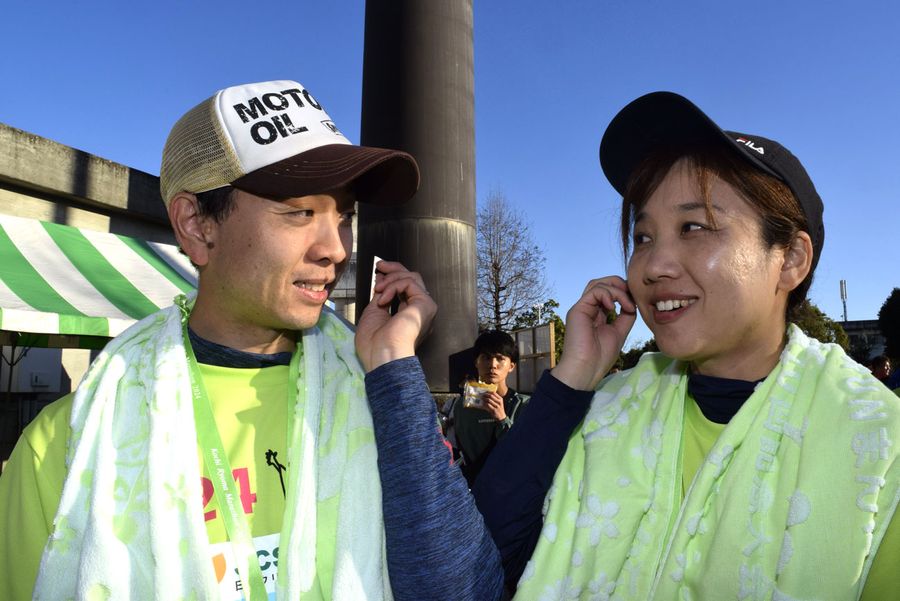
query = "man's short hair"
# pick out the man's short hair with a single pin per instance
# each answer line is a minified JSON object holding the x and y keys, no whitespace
{"x":495,"y":342}
{"x":217,"y":203}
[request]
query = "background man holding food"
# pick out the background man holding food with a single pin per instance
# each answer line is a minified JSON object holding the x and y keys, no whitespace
{"x":481,"y":418}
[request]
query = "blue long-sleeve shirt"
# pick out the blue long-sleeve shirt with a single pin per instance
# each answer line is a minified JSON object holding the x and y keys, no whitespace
{"x":437,"y":544}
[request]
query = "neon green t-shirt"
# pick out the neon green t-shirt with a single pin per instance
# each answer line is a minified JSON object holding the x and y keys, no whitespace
{"x":700,"y":434}
{"x":250,"y":406}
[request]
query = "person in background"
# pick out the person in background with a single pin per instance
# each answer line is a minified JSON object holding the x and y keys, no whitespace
{"x":476,"y":429}
{"x":745,"y":460}
{"x":225,"y":447}
{"x":881,"y":368}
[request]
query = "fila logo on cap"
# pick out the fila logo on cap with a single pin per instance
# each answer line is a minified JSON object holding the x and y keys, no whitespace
{"x":749,"y":144}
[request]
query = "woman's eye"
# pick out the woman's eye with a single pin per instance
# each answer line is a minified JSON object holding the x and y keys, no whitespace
{"x":692,"y":227}
{"x":641,"y":239}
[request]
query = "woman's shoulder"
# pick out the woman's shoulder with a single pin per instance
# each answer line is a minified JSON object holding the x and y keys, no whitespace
{"x":650,"y":368}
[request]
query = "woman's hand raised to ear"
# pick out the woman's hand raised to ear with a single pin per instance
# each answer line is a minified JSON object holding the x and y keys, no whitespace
{"x":593,"y":342}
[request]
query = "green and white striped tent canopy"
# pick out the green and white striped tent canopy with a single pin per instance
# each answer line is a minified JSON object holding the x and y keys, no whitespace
{"x":63,"y":286}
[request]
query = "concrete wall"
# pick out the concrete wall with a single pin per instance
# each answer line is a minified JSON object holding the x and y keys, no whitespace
{"x":45,"y":180}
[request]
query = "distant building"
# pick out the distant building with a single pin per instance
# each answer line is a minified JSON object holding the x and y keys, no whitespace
{"x":866,"y":340}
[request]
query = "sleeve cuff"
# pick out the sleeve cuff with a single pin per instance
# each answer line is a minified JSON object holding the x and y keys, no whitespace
{"x":563,"y":393}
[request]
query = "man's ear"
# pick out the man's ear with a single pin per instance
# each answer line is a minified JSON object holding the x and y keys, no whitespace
{"x":797,"y":262}
{"x":193,"y":231}
{"x":512,"y":366}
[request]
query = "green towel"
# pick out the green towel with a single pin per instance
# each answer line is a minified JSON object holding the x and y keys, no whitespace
{"x":791,"y":502}
{"x":130,"y":524}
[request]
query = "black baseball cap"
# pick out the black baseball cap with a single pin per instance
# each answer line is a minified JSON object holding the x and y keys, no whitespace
{"x":668,"y":120}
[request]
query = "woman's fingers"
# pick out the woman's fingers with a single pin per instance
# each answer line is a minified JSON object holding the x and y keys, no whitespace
{"x":600,"y":298}
{"x":608,"y":291}
{"x":623,"y":324}
{"x":611,"y":281}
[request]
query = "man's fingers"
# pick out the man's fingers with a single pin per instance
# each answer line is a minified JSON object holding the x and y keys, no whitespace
{"x":408,"y":288}
{"x":385,"y":267}
{"x":404,"y":276}
{"x":390,"y":271}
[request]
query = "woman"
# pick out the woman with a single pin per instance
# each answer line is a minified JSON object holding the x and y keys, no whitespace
{"x":744,"y":461}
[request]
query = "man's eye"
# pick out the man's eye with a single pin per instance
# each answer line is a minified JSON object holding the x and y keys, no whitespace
{"x":348,"y":216}
{"x":640,"y":239}
{"x":300,"y":213}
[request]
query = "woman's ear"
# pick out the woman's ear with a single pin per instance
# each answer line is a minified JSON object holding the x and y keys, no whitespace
{"x":193,"y":231}
{"x":797,"y":262}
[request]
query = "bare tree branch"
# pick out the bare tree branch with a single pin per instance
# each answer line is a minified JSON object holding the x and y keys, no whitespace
{"x":510,"y":265}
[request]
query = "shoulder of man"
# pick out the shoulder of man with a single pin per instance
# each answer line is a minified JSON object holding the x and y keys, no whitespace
{"x":450,"y":404}
{"x":518,"y":401}
{"x":50,"y":426}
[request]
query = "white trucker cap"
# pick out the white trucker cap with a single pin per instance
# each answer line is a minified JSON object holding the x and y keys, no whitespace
{"x":273,"y":139}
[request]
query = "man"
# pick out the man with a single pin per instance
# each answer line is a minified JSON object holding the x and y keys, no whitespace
{"x":224,"y":447}
{"x":478,"y":428}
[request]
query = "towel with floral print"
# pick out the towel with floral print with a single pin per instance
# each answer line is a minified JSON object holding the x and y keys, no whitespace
{"x":791,"y":502}
{"x":129,"y":524}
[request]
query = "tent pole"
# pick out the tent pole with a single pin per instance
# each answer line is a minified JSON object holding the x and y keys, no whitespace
{"x":9,"y":378}
{"x":10,"y":363}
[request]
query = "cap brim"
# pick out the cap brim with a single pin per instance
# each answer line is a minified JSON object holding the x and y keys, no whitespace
{"x":656,"y":121}
{"x":376,"y":175}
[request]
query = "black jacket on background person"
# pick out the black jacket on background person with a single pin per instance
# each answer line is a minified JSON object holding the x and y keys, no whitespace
{"x":477,"y":431}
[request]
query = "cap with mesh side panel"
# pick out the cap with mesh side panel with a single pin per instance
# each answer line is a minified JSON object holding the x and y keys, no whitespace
{"x":275,"y":140}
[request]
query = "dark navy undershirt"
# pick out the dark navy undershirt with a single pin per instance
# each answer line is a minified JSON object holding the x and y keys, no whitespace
{"x":719,"y":398}
{"x":511,"y":488}
{"x":210,"y":353}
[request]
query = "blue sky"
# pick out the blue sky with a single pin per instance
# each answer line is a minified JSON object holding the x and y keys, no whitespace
{"x":821,"y":77}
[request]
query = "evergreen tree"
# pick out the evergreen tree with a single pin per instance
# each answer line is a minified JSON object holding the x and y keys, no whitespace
{"x":816,"y":324}
{"x":889,"y":324}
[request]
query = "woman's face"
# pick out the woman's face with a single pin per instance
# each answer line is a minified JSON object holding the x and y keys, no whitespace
{"x":710,"y":294}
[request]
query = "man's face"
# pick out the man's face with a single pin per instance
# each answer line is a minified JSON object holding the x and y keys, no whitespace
{"x":273,"y":264}
{"x":493,"y":369}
